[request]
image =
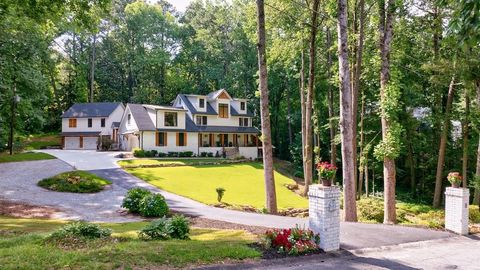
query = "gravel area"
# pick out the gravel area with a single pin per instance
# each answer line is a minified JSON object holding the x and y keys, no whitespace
{"x":18,"y":183}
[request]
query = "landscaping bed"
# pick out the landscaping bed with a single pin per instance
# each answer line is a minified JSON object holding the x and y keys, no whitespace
{"x":75,"y":182}
{"x":24,"y":210}
{"x":168,"y":162}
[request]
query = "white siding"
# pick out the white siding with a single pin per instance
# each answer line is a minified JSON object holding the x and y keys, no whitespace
{"x":161,"y":119}
{"x":149,"y":142}
{"x":82,"y":123}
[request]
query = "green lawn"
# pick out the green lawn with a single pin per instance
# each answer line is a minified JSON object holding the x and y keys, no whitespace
{"x":75,"y":181}
{"x":25,"y":156}
{"x":22,"y":247}
{"x":243,"y":182}
{"x":167,"y":161}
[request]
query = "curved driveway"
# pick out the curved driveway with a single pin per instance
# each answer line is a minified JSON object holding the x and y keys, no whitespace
{"x":353,"y":235}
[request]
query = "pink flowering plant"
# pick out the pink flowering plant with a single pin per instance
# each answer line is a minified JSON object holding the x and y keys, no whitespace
{"x":454,"y":178}
{"x":326,"y":170}
{"x":292,"y":241}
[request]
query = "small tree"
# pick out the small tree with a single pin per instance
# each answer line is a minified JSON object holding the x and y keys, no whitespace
{"x":220,"y":192}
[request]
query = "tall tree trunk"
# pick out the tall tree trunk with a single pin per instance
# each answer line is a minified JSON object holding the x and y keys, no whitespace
{"x":346,"y":119}
{"x":476,"y":195}
{"x":92,"y":69}
{"x":302,"y":104}
{"x":389,"y":174}
{"x":271,"y":200}
{"x":437,"y":198}
{"x":331,"y":113}
{"x":308,"y":164}
{"x":465,"y":140}
{"x":356,"y":81}
{"x":362,"y":154}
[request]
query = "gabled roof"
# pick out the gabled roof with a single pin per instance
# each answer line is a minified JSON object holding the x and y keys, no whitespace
{"x":160,"y":107}
{"x":94,"y":109}
{"x":215,"y":94}
{"x":140,"y":115}
{"x":234,"y":112}
{"x":191,"y":108}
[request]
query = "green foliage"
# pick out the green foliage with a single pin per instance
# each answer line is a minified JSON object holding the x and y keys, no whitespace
{"x":391,"y":146}
{"x":176,"y":227}
{"x":26,"y":156}
{"x":133,"y":198}
{"x":220,"y":191}
{"x":75,"y":182}
{"x":81,"y":229}
{"x":153,"y":205}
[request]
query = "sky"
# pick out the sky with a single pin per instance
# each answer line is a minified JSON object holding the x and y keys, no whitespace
{"x":180,"y":5}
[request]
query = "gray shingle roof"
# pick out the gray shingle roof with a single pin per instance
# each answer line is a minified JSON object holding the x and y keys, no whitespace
{"x":191,"y":108}
{"x":234,"y":112}
{"x":95,"y":109}
{"x":139,"y":113}
{"x":76,"y":134}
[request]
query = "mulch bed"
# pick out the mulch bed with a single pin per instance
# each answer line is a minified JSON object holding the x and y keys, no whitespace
{"x":24,"y":210}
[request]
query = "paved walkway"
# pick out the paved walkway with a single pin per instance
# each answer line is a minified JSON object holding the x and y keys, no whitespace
{"x":18,"y":182}
{"x":352,"y":235}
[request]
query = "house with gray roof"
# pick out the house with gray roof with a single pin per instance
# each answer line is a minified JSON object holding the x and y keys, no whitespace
{"x":84,"y":124}
{"x":213,"y":123}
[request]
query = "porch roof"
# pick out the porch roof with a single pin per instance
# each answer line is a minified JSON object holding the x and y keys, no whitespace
{"x":227,"y":129}
{"x":76,"y":134}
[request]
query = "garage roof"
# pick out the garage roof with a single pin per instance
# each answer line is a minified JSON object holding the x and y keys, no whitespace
{"x":94,"y":109}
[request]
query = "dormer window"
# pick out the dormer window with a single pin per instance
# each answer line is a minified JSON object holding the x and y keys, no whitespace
{"x":201,"y":103}
{"x":223,"y":110}
{"x":242,"y":105}
{"x":201,"y":120}
{"x":171,"y":119}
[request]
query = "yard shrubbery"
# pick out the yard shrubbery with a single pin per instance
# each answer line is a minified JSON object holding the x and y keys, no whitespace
{"x":145,"y":203}
{"x":78,"y":235}
{"x":140,"y":153}
{"x":74,"y":181}
{"x":176,"y":227}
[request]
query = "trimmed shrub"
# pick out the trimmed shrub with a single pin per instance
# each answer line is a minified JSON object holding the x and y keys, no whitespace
{"x":133,"y":198}
{"x":160,"y":154}
{"x":156,"y":230}
{"x":139,"y":153}
{"x":81,"y":229}
{"x":292,"y":241}
{"x":210,"y":154}
{"x":188,"y":153}
{"x":153,"y":205}
{"x":177,"y":227}
{"x":220,"y":191}
{"x":203,"y":154}
{"x":172,"y":154}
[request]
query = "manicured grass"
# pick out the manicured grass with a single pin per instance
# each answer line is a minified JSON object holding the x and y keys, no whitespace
{"x":167,"y":161}
{"x":75,"y":181}
{"x":244,"y":184}
{"x":26,"y":156}
{"x":28,"y":251}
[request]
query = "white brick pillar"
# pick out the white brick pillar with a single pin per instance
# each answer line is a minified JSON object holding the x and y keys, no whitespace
{"x":324,"y":215}
{"x":456,"y":210}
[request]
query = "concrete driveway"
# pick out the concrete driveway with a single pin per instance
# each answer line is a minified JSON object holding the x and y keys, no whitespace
{"x":86,"y":159}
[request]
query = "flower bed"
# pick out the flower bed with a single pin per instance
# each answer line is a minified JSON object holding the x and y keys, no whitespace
{"x":294,"y":241}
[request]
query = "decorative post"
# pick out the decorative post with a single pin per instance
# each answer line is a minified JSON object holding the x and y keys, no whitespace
{"x":324,"y":215}
{"x":456,"y":210}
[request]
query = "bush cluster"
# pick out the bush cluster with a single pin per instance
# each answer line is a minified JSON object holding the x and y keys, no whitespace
{"x":176,"y":227}
{"x":81,"y":229}
{"x":75,"y":182}
{"x":292,"y":241}
{"x":206,"y":154}
{"x":144,"y":202}
{"x":180,"y":154}
{"x":154,"y":153}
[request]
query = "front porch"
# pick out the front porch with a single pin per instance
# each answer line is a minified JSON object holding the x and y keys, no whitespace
{"x":232,"y":144}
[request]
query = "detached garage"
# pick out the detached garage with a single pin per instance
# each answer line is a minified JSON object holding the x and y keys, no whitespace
{"x":80,"y":140}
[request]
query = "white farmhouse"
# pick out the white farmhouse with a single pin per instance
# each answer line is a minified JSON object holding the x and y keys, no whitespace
{"x":213,"y":123}
{"x":84,"y":124}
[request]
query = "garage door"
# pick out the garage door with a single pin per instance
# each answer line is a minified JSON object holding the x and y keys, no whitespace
{"x":72,"y":142}
{"x":90,"y":143}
